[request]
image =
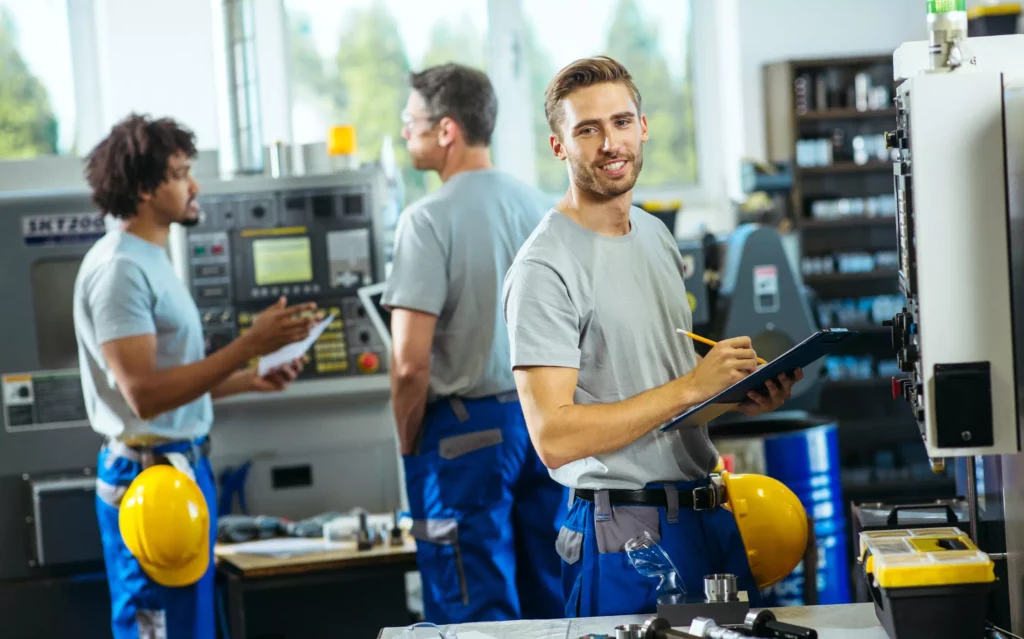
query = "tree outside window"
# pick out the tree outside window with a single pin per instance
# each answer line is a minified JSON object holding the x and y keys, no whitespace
{"x":36,"y":87}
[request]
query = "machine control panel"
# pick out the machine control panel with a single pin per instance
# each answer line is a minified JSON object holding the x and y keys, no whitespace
{"x":953,"y":338}
{"x":305,"y":243}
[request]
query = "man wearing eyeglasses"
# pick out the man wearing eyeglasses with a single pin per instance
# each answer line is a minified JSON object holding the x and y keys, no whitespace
{"x":470,"y":468}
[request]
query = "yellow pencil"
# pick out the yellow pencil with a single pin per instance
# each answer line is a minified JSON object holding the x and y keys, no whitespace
{"x":704,"y":340}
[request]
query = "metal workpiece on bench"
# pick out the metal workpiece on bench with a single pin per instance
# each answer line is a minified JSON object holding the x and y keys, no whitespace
{"x":762,"y":623}
{"x":720,"y":587}
{"x":660,"y":628}
{"x":707,"y":628}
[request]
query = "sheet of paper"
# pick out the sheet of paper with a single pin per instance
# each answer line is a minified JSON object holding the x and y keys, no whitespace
{"x":473,"y":634}
{"x":293,"y":351}
{"x":284,"y":546}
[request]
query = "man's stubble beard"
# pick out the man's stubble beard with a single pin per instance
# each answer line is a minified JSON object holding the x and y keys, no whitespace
{"x":587,"y":178}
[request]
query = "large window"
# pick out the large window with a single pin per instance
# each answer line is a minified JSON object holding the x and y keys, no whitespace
{"x":652,"y":39}
{"x":350,"y":61}
{"x":37,"y":98}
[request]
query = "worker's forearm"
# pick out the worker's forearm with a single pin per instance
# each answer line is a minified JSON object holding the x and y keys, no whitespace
{"x":577,"y":431}
{"x":409,"y":402}
{"x":170,"y":388}
{"x":236,"y":383}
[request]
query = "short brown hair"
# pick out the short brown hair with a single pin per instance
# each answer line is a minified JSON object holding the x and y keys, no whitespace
{"x":583,"y":73}
{"x":462,"y":93}
{"x":133,"y":159}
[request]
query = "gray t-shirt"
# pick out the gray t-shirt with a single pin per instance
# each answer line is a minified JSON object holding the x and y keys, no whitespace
{"x":126,"y":287}
{"x":610,"y":307}
{"x":452,"y":249}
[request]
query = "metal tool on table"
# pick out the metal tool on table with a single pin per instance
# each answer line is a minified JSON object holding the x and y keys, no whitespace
{"x":660,"y":628}
{"x":723,"y":600}
{"x":707,"y":628}
{"x":363,"y":539}
{"x":762,"y":623}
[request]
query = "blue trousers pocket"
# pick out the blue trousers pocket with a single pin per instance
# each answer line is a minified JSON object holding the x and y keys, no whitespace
{"x":439,"y":559}
{"x":620,"y":589}
{"x":470,"y":469}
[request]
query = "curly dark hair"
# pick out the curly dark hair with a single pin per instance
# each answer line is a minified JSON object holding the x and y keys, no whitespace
{"x":132,"y":159}
{"x":462,"y":93}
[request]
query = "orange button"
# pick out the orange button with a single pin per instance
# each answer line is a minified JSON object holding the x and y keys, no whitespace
{"x":368,"y":363}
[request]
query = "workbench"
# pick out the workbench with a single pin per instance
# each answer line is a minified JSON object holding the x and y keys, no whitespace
{"x":303,"y":595}
{"x":849,"y":621}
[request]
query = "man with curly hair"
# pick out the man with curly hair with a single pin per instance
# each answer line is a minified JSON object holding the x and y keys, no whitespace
{"x":147,"y":383}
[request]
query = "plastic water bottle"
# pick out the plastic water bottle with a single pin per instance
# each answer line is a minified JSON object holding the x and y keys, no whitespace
{"x":650,"y":560}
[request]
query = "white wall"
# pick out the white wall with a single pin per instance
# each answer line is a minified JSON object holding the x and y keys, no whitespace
{"x":776,"y":30}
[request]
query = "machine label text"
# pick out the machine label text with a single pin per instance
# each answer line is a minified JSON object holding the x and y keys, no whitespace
{"x":62,"y":228}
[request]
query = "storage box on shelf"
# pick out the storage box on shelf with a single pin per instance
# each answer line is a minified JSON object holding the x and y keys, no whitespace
{"x":829,"y":117}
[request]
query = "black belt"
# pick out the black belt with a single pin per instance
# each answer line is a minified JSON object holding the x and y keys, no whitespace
{"x":700,"y":498}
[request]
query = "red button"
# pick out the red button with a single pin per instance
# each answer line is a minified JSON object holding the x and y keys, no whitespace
{"x":218,"y":249}
{"x":897,"y":388}
{"x":368,"y":363}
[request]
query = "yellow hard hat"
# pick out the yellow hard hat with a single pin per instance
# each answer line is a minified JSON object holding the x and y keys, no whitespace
{"x":772,"y":523}
{"x":165,"y":523}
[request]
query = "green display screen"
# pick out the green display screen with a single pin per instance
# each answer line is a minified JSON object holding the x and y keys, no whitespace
{"x":285,"y":260}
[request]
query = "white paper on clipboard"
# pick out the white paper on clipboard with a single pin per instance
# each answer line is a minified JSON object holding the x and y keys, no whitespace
{"x":292,"y":351}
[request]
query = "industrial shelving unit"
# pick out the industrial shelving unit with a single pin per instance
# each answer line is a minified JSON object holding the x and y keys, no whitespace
{"x":825,"y":118}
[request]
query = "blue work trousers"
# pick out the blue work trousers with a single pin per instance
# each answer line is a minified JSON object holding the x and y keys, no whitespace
{"x":597,"y":577}
{"x":140,"y":607}
{"x":486,"y":515}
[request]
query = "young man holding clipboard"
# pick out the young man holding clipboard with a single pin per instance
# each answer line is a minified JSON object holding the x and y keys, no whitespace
{"x":592,"y":303}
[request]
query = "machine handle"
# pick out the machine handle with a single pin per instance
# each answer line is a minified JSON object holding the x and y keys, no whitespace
{"x":894,"y":514}
{"x":781,"y":630}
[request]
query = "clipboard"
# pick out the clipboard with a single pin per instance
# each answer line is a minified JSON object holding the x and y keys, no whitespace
{"x":816,"y":346}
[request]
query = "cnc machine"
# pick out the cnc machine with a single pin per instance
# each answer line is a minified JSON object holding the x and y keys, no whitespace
{"x":959,"y":187}
{"x":325,"y":444}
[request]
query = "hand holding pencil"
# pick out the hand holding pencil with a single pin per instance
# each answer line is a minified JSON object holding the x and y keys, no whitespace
{"x":704,"y":340}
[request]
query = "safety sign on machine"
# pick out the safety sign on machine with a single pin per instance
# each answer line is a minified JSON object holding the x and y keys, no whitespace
{"x":37,"y":401}
{"x":766,"y":289}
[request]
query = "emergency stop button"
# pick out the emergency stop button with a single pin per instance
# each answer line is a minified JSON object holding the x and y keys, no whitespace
{"x":368,"y":363}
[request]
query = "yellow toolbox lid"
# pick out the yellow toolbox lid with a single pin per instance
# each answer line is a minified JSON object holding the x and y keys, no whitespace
{"x":924,"y":557}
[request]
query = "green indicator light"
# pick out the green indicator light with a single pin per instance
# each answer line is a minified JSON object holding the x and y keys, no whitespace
{"x":945,"y":6}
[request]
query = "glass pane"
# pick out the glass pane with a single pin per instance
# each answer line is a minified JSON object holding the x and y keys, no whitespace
{"x":37,"y":93}
{"x":652,"y":39}
{"x":350,"y":62}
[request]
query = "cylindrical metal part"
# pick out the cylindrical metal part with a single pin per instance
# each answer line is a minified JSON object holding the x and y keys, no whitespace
{"x":243,"y":93}
{"x":947,"y":29}
{"x":707,"y":628}
{"x":720,"y":587}
{"x":628,"y":631}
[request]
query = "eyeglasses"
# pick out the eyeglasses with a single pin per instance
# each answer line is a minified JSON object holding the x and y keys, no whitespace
{"x":426,"y":630}
{"x":408,"y":119}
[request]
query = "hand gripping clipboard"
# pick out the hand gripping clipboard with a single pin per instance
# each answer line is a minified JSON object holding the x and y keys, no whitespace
{"x":818,"y":345}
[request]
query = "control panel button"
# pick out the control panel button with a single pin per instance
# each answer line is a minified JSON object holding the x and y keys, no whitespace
{"x":218,"y":249}
{"x":368,"y":363}
{"x":200,"y":250}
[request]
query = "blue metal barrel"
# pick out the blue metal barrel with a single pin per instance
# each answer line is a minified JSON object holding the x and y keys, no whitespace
{"x":807,"y":461}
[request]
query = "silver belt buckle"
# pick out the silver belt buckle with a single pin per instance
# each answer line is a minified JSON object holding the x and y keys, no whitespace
{"x":713,"y":497}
